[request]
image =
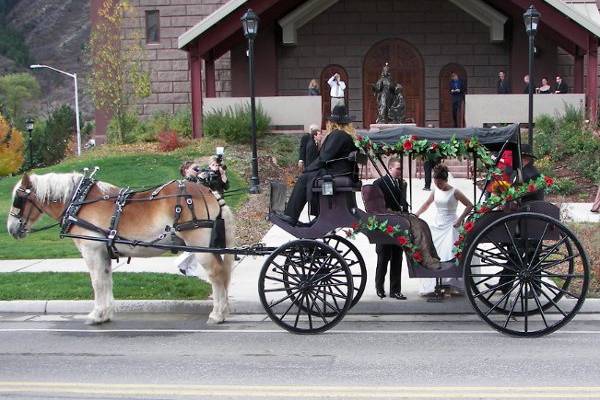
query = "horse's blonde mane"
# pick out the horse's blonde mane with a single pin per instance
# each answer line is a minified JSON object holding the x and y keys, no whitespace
{"x":59,"y":187}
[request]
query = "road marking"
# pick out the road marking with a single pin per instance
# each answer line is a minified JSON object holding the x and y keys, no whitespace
{"x":333,"y":332}
{"x":245,"y":391}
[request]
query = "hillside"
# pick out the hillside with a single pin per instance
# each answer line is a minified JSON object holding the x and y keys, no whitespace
{"x":55,"y":32}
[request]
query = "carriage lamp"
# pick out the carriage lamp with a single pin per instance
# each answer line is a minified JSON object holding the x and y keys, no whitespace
{"x":327,"y":187}
{"x":250,"y":27}
{"x":29,"y":128}
{"x":531,"y":18}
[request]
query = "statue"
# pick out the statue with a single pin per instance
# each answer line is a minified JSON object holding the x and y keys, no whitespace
{"x":390,"y":101}
{"x":397,"y":110}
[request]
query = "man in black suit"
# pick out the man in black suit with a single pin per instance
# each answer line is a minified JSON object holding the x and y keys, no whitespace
{"x":309,"y":146}
{"x":332,"y":159}
{"x":503,"y":86}
{"x":394,"y":193}
{"x":561,"y":86}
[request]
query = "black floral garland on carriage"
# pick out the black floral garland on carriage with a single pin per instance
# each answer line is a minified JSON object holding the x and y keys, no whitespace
{"x":502,"y":192}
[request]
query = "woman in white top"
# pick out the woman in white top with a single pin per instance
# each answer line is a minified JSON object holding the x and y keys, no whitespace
{"x":444,"y":228}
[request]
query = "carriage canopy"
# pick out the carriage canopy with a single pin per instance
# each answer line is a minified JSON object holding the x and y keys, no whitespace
{"x":492,"y":138}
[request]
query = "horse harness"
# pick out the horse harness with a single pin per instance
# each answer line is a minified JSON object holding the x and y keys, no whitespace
{"x":123,"y":198}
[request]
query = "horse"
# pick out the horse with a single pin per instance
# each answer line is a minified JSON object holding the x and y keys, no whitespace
{"x":144,"y":218}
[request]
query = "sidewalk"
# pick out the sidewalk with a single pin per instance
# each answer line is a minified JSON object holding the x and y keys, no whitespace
{"x":244,"y":285}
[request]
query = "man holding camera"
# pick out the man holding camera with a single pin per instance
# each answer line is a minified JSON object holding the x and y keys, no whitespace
{"x":336,"y":93}
{"x":214,"y":176}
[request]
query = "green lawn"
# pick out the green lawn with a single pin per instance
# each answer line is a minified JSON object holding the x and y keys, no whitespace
{"x":77,"y":286}
{"x":133,"y":170}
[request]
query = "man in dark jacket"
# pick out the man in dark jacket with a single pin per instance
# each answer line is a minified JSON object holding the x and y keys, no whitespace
{"x":309,"y":147}
{"x":561,"y":86}
{"x":503,"y":86}
{"x":332,"y":159}
{"x":393,"y":188}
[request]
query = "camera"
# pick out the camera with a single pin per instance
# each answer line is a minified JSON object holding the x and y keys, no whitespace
{"x":219,"y":153}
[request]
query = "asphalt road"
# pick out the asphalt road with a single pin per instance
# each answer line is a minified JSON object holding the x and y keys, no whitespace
{"x":178,"y":356}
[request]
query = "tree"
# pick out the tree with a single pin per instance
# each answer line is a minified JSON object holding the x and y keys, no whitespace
{"x":118,"y":75}
{"x":15,"y":89}
{"x":11,"y":148}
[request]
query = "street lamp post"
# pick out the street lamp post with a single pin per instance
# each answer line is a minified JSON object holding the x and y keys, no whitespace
{"x":531,"y":18}
{"x":250,"y":26}
{"x":29,"y":128}
{"x":74,"y":76}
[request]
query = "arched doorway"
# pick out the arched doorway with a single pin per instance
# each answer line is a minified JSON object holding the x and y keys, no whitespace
{"x":445,"y":118}
{"x":406,"y":67}
{"x":327,"y":73}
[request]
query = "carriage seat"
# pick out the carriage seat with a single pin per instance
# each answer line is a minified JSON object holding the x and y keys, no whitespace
{"x":341,"y":183}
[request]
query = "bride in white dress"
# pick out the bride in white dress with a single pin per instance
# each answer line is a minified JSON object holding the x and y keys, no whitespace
{"x":444,"y":227}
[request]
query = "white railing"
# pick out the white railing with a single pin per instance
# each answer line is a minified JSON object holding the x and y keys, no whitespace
{"x":285,"y":111}
{"x":508,"y":108}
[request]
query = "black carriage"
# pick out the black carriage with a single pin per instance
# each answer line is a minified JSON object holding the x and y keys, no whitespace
{"x":525,"y":273}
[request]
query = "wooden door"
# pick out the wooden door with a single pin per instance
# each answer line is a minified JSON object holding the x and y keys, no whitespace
{"x":406,"y":67}
{"x":445,"y":118}
{"x":327,"y":73}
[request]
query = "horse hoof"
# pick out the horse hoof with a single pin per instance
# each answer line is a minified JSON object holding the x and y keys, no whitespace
{"x":215,"y":321}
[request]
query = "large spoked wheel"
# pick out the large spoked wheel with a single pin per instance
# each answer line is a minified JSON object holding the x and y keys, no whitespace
{"x":526,"y":274}
{"x":355,"y":262}
{"x":306,"y":286}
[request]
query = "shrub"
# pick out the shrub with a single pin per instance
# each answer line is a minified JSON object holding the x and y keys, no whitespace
{"x":11,"y":148}
{"x":233,"y":123}
{"x":566,"y":186}
{"x":122,"y":131}
{"x":182,"y":123}
{"x":50,"y":138}
{"x":168,"y":141}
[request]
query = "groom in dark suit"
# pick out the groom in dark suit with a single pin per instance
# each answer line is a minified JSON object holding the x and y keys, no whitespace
{"x":394,"y":193}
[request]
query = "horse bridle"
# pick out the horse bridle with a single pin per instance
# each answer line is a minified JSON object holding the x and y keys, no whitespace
{"x":19,"y":203}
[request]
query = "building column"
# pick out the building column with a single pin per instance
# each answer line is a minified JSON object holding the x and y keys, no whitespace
{"x":209,"y":71}
{"x":579,"y":76}
{"x":591,"y":89}
{"x":195,"y":65}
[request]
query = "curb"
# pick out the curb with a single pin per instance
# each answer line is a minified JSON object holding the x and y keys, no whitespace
{"x":416,"y":306}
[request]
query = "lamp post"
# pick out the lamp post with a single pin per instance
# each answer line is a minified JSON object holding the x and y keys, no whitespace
{"x":531,"y":18}
{"x":29,"y":128}
{"x":250,"y":26}
{"x":74,"y":76}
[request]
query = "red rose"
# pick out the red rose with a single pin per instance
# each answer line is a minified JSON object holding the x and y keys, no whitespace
{"x":355,"y":226}
{"x":389,"y":229}
{"x":413,"y":137}
{"x":457,"y":242}
{"x":469,"y":226}
{"x":402,"y":240}
{"x":483,"y":210}
{"x":509,"y":197}
{"x":461,"y":238}
{"x":360,"y":138}
{"x":407,"y":145}
{"x":459,"y":255}
{"x":434,"y":146}
{"x":348,"y":232}
{"x":531,"y":188}
{"x":417,"y":256}
{"x":549,"y":181}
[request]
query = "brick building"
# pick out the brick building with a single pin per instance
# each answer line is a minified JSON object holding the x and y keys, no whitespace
{"x":196,"y":49}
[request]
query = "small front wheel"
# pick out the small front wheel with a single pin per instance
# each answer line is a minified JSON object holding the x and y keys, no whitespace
{"x":305,"y":286}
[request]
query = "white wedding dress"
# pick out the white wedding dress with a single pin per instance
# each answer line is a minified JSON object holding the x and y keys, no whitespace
{"x":444,"y":234}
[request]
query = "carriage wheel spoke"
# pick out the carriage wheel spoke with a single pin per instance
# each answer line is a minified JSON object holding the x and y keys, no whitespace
{"x":539,"y":304}
{"x":550,"y":300}
{"x":514,"y":245}
{"x":494,"y":262}
{"x":500,"y":301}
{"x":288,"y":310}
{"x":286,"y":273}
{"x":300,"y":302}
{"x":512,"y":308}
{"x":552,"y":287}
{"x":504,"y":251}
{"x":495,"y":288}
{"x":554,"y":247}
{"x":525,"y":300}
{"x":337,"y":306}
{"x":290,"y":295}
{"x":308,"y":311}
{"x":321,"y":313}
{"x":537,"y":248}
{"x":543,"y":266}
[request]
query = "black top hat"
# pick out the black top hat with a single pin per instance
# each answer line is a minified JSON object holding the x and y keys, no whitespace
{"x":340,"y":115}
{"x":527,"y":151}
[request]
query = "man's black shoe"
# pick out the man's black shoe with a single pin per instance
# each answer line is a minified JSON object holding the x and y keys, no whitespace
{"x":398,"y":296}
{"x":380,"y":293}
{"x":427,"y":189}
{"x":287,"y":218}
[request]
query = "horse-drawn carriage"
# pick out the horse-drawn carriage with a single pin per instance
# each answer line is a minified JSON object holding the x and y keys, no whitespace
{"x":524,"y":272}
